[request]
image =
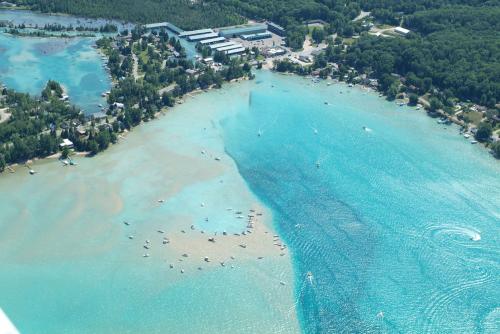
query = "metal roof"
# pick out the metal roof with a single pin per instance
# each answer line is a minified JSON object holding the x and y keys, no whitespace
{"x":156,"y":25}
{"x":195,"y":32}
{"x":167,"y":25}
{"x":220,"y":45}
{"x":212,"y":40}
{"x":202,"y":36}
{"x":230,"y":47}
{"x":244,"y":29}
{"x":234,"y":51}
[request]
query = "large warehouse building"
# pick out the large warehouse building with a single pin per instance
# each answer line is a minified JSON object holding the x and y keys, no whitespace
{"x":247,"y":29}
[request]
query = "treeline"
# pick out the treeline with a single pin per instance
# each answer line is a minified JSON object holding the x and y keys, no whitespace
{"x":184,"y":13}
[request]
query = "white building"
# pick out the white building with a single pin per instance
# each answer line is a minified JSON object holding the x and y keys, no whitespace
{"x":66,"y":143}
{"x":401,"y":31}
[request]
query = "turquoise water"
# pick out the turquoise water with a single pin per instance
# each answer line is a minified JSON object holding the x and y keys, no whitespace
{"x":398,"y":226}
{"x":27,"y":63}
{"x":402,"y":219}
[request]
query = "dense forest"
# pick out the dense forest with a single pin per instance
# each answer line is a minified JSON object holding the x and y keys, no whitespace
{"x":457,"y":49}
{"x":184,"y":13}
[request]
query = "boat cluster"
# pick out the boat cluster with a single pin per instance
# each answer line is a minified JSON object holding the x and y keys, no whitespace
{"x":251,"y":217}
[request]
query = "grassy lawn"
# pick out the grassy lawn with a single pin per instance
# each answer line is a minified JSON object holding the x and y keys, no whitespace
{"x":348,"y":41}
{"x":473,"y":117}
{"x":144,"y":56}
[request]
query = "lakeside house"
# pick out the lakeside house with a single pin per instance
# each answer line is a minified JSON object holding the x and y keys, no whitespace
{"x":7,"y":4}
{"x":66,"y":143}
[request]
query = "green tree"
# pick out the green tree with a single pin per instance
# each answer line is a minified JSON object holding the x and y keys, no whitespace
{"x":65,"y":152}
{"x":413,"y":99}
{"x":484,"y":131}
{"x":435,"y":104}
{"x":496,"y":149}
{"x":318,"y":35}
{"x":392,"y":92}
{"x":3,"y":164}
{"x":92,"y":147}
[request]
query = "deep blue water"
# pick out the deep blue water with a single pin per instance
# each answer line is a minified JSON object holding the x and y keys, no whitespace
{"x":398,"y":225}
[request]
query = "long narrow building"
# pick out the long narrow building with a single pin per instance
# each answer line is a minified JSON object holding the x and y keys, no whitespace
{"x":235,"y":51}
{"x":202,"y":36}
{"x":212,"y":40}
{"x":220,"y":45}
{"x":195,"y":32}
{"x":230,"y":47}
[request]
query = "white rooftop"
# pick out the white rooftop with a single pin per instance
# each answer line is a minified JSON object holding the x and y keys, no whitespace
{"x":230,"y":47}
{"x":66,"y":142}
{"x":202,"y":36}
{"x":220,"y":45}
{"x":401,"y":30}
{"x":195,"y":32}
{"x":212,"y":40}
{"x":235,"y":51}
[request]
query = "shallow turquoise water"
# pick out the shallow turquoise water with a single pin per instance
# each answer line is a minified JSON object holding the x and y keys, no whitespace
{"x":398,"y":225}
{"x":26,"y":64}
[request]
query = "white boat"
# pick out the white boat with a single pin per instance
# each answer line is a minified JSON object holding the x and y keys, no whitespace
{"x":32,"y":172}
{"x":474,"y":142}
{"x":466,"y":135}
{"x":310,"y":277}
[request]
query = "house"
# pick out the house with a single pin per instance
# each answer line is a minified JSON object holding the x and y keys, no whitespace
{"x":118,"y":105}
{"x":207,"y":60}
{"x":66,"y":143}
{"x":81,"y":131}
{"x":7,"y":4}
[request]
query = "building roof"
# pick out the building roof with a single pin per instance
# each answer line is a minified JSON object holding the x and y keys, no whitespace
{"x":219,"y":45}
{"x":235,"y":51}
{"x":203,"y":36}
{"x":66,"y":142}
{"x":258,"y":35}
{"x":156,"y":25}
{"x":195,"y":32}
{"x":243,"y":29}
{"x":230,"y":47}
{"x":401,"y":30}
{"x":212,"y":40}
{"x":274,"y":25}
{"x":167,"y":25}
